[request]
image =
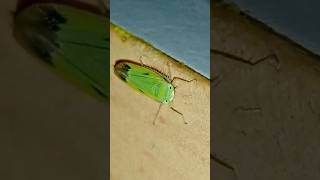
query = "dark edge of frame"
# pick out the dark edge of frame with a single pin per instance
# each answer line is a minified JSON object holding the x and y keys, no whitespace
{"x":211,"y":92}
{"x":21,"y":4}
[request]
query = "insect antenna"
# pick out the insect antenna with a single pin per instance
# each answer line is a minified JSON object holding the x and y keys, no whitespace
{"x":185,"y":122}
{"x":154,"y":121}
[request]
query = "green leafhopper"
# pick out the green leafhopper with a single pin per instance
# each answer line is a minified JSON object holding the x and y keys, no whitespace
{"x":149,"y":81}
{"x":72,"y":38}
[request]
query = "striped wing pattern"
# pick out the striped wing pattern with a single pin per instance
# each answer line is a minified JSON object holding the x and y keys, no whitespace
{"x":73,"y":41}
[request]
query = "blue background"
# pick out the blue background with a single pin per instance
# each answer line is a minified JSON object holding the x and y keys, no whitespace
{"x":297,"y":20}
{"x":179,"y":28}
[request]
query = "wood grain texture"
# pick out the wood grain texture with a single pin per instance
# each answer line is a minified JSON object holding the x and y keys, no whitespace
{"x":170,"y":149}
{"x":266,"y":102}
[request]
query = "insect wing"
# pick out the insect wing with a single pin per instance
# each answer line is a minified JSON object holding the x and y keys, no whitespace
{"x":73,"y":41}
{"x":144,"y":80}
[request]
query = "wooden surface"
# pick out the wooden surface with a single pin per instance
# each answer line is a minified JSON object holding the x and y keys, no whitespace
{"x":169,"y":150}
{"x":49,"y":128}
{"x":266,"y":102}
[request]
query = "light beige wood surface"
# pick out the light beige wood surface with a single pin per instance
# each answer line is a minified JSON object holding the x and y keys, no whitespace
{"x":170,"y":149}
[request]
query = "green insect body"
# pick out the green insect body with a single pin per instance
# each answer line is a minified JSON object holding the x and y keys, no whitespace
{"x":149,"y":81}
{"x":73,"y":41}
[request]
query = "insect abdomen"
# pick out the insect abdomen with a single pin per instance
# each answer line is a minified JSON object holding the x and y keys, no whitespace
{"x":145,"y":80}
{"x":121,"y":70}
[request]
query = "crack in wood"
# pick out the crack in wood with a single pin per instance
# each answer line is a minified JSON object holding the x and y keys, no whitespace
{"x":247,"y":61}
{"x":248,"y":109}
{"x":223,"y":163}
{"x":216,"y":81}
{"x":311,"y":107}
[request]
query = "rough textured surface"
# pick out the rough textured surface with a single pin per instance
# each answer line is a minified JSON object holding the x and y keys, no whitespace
{"x":169,"y":149}
{"x":266,"y":103}
{"x":49,"y":129}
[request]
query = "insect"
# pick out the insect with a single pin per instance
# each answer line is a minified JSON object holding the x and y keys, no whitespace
{"x":72,"y":38}
{"x":149,"y":81}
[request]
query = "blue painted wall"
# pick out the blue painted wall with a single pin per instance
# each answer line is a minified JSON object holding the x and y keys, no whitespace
{"x":298,"y":20}
{"x":180,"y":28}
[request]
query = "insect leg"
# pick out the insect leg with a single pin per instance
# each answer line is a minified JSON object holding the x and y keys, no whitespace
{"x":185,"y":122}
{"x":177,"y":78}
{"x":140,"y":59}
{"x":181,"y":79}
{"x":154,"y":121}
{"x":169,"y":69}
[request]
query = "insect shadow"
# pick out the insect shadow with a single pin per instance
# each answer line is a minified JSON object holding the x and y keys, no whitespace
{"x":150,"y":82}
